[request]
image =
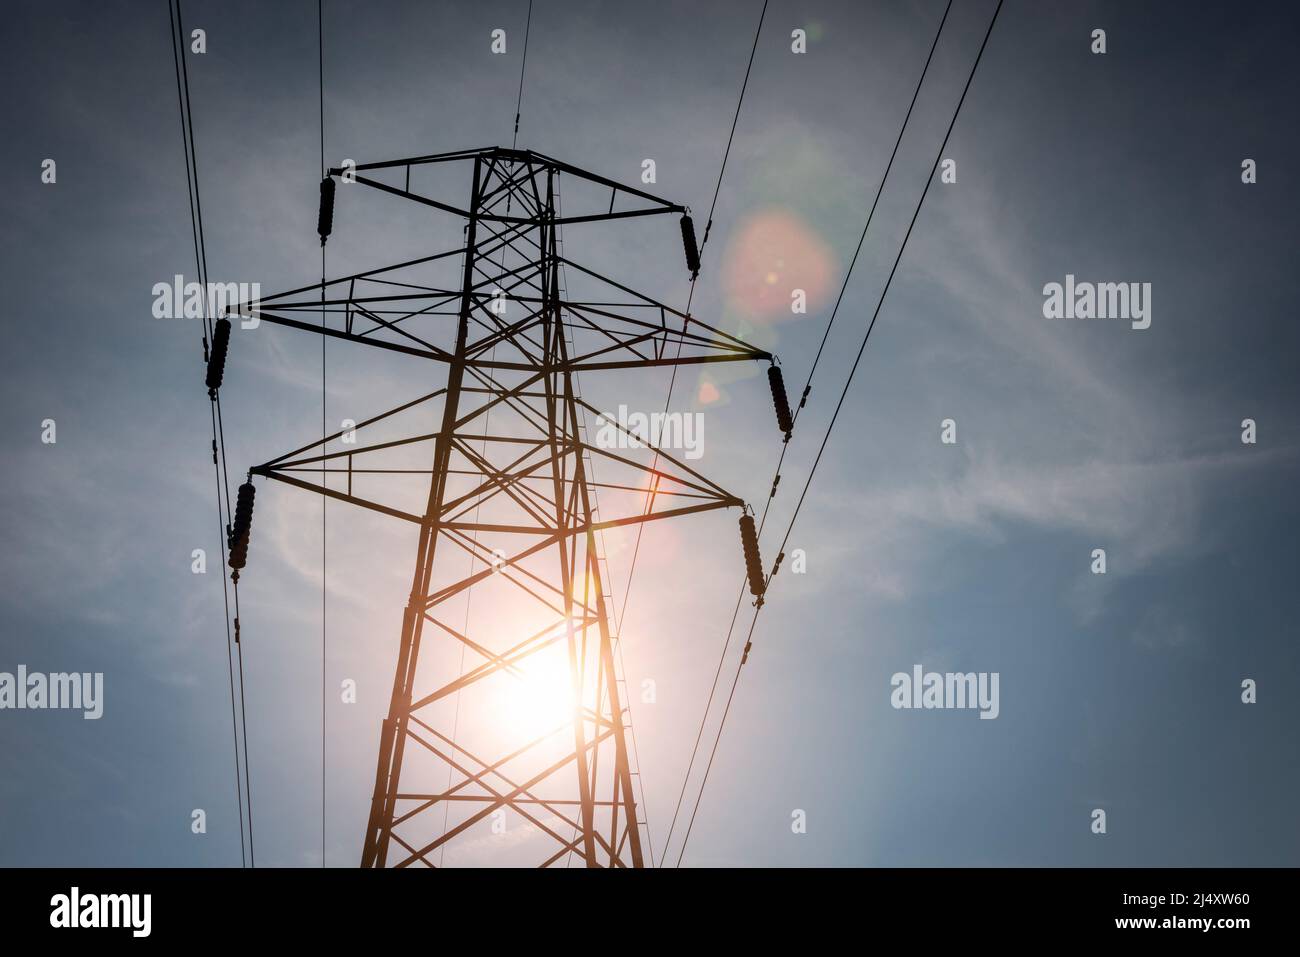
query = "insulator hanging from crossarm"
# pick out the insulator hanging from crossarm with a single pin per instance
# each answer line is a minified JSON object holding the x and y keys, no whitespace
{"x":239,"y":532}
{"x":784,"y":420}
{"x":325,"y":221}
{"x":753,"y":563}
{"x":217,"y":356}
{"x":688,"y":243}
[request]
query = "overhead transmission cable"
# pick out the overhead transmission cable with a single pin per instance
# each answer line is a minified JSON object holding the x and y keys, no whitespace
{"x":324,"y":477}
{"x":835,"y":415}
{"x":776,"y":475}
{"x":523,"y":65}
{"x":717,"y":189}
{"x":672,"y":381}
{"x":243,"y":788}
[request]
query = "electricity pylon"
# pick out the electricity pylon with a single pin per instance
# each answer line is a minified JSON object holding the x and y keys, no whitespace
{"x":512,"y":494}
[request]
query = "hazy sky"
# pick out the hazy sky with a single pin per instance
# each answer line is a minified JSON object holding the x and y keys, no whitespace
{"x":1120,"y":692}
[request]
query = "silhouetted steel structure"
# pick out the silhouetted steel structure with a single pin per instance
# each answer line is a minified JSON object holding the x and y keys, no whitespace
{"x":512,"y":491}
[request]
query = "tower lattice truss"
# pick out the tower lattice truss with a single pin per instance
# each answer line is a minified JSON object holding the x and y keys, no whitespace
{"x":508,"y":725}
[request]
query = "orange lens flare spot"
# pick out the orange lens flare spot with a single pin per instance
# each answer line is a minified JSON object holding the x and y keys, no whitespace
{"x":772,"y":254}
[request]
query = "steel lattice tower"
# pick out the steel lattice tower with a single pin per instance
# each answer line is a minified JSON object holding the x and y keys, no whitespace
{"x":519,"y":491}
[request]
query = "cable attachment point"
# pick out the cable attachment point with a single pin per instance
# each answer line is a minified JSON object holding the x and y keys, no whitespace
{"x":239,"y":532}
{"x":688,"y":244}
{"x":325,"y":221}
{"x":753,"y":563}
{"x":776,"y":381}
{"x":217,"y":359}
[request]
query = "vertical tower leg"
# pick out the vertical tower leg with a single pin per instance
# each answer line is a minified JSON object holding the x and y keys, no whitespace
{"x":392,"y":746}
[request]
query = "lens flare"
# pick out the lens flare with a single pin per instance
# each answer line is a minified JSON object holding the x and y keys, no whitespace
{"x":708,"y":393}
{"x":772,"y":254}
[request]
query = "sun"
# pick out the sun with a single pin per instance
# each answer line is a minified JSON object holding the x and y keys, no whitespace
{"x":537,"y":697}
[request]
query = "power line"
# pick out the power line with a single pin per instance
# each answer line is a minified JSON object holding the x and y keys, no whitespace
{"x":243,"y":718}
{"x":230,"y":666}
{"x":242,"y":790}
{"x":519,"y":100}
{"x":735,"y":614}
{"x":838,"y":406}
{"x":672,"y":381}
{"x":324,"y":502}
{"x":690,"y":298}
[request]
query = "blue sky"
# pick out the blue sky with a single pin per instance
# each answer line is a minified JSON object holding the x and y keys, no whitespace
{"x":1119,"y":692}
